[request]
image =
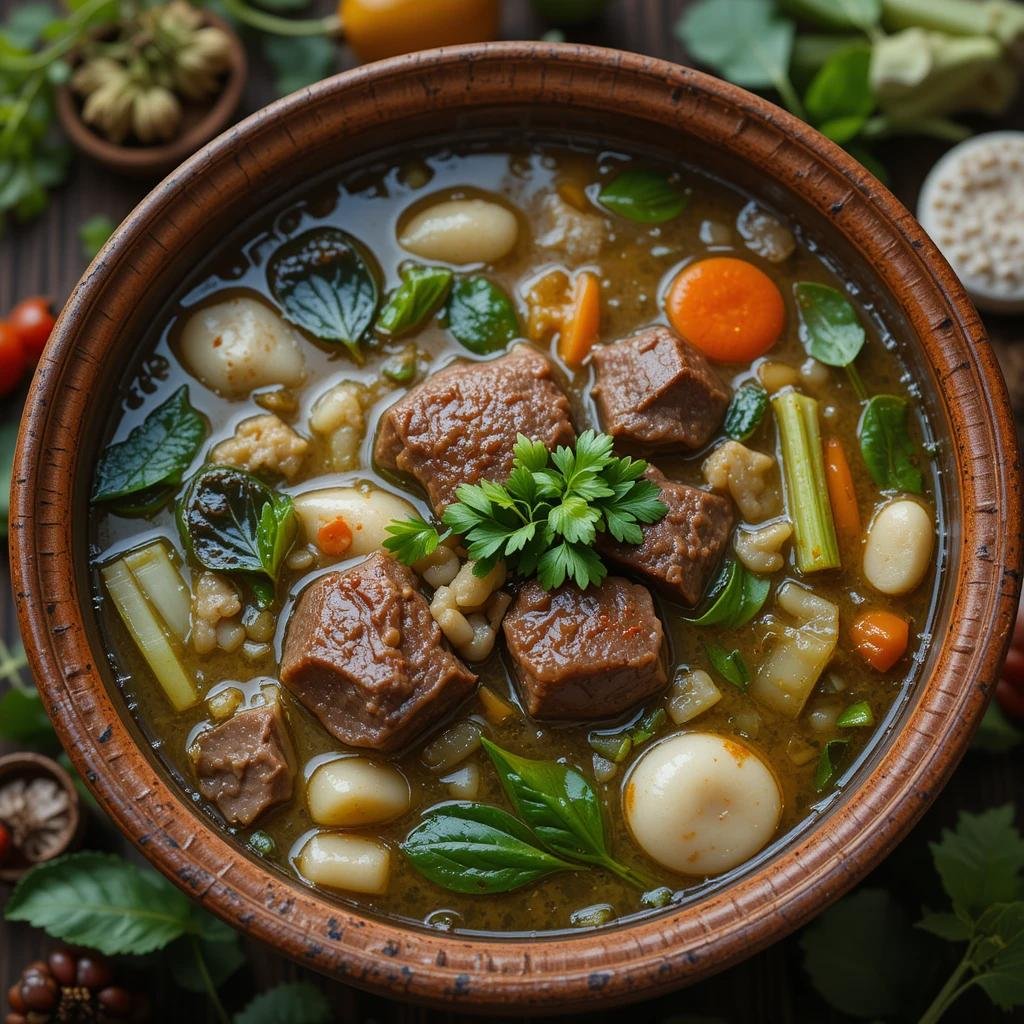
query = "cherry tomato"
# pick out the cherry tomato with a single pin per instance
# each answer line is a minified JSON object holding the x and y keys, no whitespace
{"x":32,"y":321}
{"x":13,"y":361}
{"x":1010,"y":689}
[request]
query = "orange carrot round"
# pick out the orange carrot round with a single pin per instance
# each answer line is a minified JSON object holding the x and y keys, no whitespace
{"x":729,"y":309}
{"x":880,"y":638}
{"x":581,"y":324}
{"x":841,"y":491}
{"x":334,"y":537}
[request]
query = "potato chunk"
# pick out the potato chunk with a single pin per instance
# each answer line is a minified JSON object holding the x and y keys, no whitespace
{"x":356,"y":791}
{"x":350,"y":863}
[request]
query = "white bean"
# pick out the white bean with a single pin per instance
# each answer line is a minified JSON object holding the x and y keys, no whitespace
{"x":461,"y":231}
{"x":356,"y":791}
{"x":347,"y":862}
{"x":899,"y":547}
{"x":367,"y":510}
{"x":439,"y":568}
{"x":471,"y":591}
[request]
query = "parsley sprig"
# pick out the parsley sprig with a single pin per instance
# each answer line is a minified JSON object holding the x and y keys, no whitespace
{"x":545,"y":518}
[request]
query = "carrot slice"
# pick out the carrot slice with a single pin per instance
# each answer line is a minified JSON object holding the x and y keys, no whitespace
{"x":729,"y":309}
{"x":334,"y":537}
{"x":841,"y":491}
{"x":880,"y":638}
{"x":581,"y":325}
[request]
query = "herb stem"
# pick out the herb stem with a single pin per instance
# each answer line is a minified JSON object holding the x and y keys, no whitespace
{"x":627,"y":874}
{"x":278,"y":26}
{"x":81,"y":20}
{"x":790,"y":97}
{"x":211,"y":989}
{"x":856,"y":382}
{"x":952,"y":990}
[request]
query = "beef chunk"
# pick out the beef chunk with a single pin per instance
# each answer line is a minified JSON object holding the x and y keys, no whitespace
{"x":654,"y":391}
{"x":246,"y":765}
{"x":460,"y":424}
{"x":584,"y":654}
{"x":679,"y":553}
{"x":364,"y":655}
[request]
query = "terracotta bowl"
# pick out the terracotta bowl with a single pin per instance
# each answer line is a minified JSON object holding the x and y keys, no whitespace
{"x":620,"y":99}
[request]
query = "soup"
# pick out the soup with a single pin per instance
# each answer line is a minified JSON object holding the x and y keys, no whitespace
{"x":515,"y":540}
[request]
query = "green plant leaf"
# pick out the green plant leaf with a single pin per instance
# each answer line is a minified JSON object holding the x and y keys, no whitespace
{"x":828,"y":764}
{"x":829,"y":328}
{"x":24,"y":25}
{"x":837,"y":15}
{"x":325,"y":282}
{"x":839,"y":99}
{"x":100,"y":901}
{"x":1000,"y":960}
{"x":157,"y":452}
{"x":298,"y":61}
{"x":421,"y":292}
{"x":23,"y":720}
{"x":275,"y":533}
{"x":729,"y":665}
{"x":856,"y":716}
{"x":219,"y":946}
{"x":886,"y":445}
{"x":996,"y":734}
{"x":477,"y":848}
{"x":8,"y":439}
{"x":412,"y":539}
{"x":647,"y":197}
{"x":481,"y":316}
{"x":93,"y":234}
{"x":746,"y":411}
{"x":736,"y":597}
{"x":294,"y":1003}
{"x":946,"y":926}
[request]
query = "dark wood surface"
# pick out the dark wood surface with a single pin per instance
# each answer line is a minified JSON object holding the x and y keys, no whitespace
{"x":45,"y":258}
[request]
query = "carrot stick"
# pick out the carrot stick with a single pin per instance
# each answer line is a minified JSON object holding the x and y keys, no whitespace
{"x":581,"y":326}
{"x":880,"y":638}
{"x":841,"y":492}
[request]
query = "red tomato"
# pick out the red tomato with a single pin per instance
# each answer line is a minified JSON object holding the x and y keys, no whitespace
{"x":1010,"y":689}
{"x":13,"y":360}
{"x":32,"y":321}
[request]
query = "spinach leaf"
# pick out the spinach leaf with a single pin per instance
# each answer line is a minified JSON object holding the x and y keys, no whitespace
{"x":296,"y":1002}
{"x":745,"y":412}
{"x":737,"y":596}
{"x":231,"y":522}
{"x":476,"y":848}
{"x":827,"y":769}
{"x":839,"y":99}
{"x":729,"y":665}
{"x":326,"y":283}
{"x":841,"y":15}
{"x":422,"y":290}
{"x":856,"y":716}
{"x":646,"y":197}
{"x":886,"y":445}
{"x":158,"y":451}
{"x":481,"y":316}
{"x":829,"y":328}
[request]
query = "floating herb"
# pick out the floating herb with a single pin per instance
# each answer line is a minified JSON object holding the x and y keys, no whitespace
{"x":746,"y":411}
{"x":829,"y":328}
{"x":856,"y":716}
{"x":736,"y":597}
{"x":418,"y":296}
{"x":729,"y":665}
{"x":886,"y":445}
{"x":617,"y":746}
{"x":828,"y":768}
{"x":647,"y":197}
{"x":481,"y":316}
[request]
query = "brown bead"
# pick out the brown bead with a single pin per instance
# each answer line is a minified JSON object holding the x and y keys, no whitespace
{"x":40,"y":992}
{"x":14,"y":998}
{"x":14,"y":1018}
{"x":94,"y":972}
{"x":118,"y":1002}
{"x":63,"y":966}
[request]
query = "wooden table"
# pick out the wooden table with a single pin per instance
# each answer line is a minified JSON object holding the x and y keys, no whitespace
{"x":44,"y":258}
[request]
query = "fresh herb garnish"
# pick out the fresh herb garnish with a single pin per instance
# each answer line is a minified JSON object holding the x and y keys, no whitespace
{"x":729,"y":665}
{"x":94,"y":233}
{"x":156,"y":453}
{"x":646,"y":197}
{"x":326,"y":283}
{"x":481,"y":317}
{"x":736,"y":597}
{"x":231,"y":522}
{"x":418,"y":296}
{"x":827,"y":768}
{"x":746,"y":411}
{"x":856,"y":716}
{"x":886,"y":445}
{"x":543,"y":521}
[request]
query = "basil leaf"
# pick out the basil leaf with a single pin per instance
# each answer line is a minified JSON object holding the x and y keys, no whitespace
{"x":422,"y":290}
{"x":745,"y":412}
{"x":231,"y":522}
{"x":100,"y":901}
{"x":326,"y":283}
{"x":481,"y":316}
{"x":296,"y":1002}
{"x":752,"y":598}
{"x":839,"y":99}
{"x":158,"y":451}
{"x":737,"y":596}
{"x":829,"y":328}
{"x":841,"y":15}
{"x":646,"y":197}
{"x":827,"y":769}
{"x":886,"y":445}
{"x":729,"y":665}
{"x":476,"y":848}
{"x":856,"y":716}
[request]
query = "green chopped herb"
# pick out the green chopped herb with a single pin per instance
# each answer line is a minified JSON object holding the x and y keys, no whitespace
{"x":729,"y":665}
{"x":856,"y":716}
{"x":746,"y":411}
{"x":827,"y":769}
{"x":647,"y":197}
{"x":421,"y":292}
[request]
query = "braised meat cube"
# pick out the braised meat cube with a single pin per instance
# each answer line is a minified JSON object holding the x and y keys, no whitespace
{"x":587,"y":654}
{"x":365,"y":656}
{"x":654,"y":392}
{"x":679,"y":553}
{"x":459,"y":426}
{"x":246,"y":765}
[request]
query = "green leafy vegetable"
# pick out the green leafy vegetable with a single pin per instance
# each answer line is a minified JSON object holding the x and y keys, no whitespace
{"x":729,"y":665}
{"x":326,"y":283}
{"x":827,"y":769}
{"x":829,"y":328}
{"x":856,"y":716}
{"x":737,"y":596}
{"x":94,"y":233}
{"x":646,"y":197}
{"x":746,"y":411}
{"x":996,"y":734}
{"x":157,"y":452}
{"x":476,"y":848}
{"x":294,"y":1003}
{"x":481,"y":316}
{"x":422,"y":290}
{"x":411,"y":540}
{"x":886,"y":445}
{"x":231,"y":522}
{"x":298,"y":61}
{"x":839,"y":99}
{"x":8,"y":438}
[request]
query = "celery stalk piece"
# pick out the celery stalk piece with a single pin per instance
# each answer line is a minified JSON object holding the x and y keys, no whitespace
{"x":1001,"y":19}
{"x":807,"y":498}
{"x":149,"y":635}
{"x":163,"y":586}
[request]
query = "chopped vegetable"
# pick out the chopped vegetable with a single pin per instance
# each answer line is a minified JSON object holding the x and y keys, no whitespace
{"x":160,"y":580}
{"x":615,"y":746}
{"x":421,"y":292}
{"x":880,"y":638}
{"x":886,"y":445}
{"x":732,"y":311}
{"x":334,"y":538}
{"x":828,"y":768}
{"x":481,"y":316}
{"x":643,"y":196}
{"x":729,"y":665}
{"x":496,"y":709}
{"x":856,"y":716}
{"x":693,"y":692}
{"x":746,"y":411}
{"x":736,"y":597}
{"x":845,"y":511}
{"x":807,"y":495}
{"x":579,"y":331}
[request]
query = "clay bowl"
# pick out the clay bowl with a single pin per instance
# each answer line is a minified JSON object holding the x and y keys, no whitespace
{"x":563,"y":90}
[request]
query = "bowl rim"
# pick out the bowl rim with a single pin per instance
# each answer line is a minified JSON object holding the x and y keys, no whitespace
{"x":649,"y":956}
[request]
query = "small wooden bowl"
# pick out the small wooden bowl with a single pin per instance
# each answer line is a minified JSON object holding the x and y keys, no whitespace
{"x":33,"y":766}
{"x":622,"y":100}
{"x":200,"y":123}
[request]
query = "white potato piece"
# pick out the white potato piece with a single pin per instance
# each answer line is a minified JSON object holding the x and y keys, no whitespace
{"x":356,"y":791}
{"x":461,"y":231}
{"x":351,"y":863}
{"x":899,"y":547}
{"x":464,"y":782}
{"x":366,"y":509}
{"x":691,"y":695}
{"x":241,"y":344}
{"x":700,"y":803}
